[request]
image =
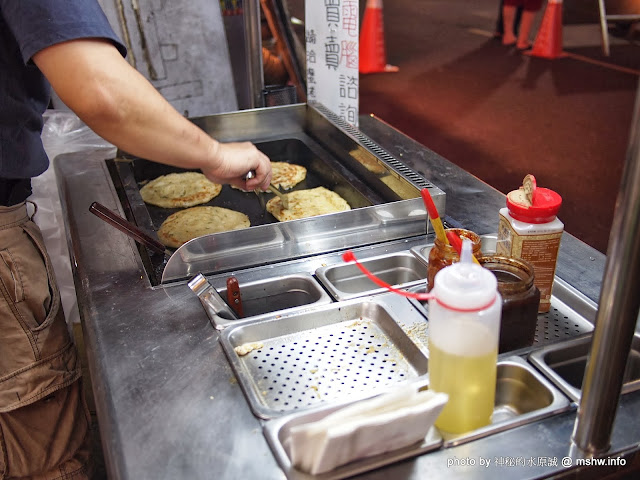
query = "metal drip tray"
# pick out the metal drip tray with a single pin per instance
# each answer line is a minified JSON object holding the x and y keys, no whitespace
{"x":348,"y":350}
{"x":570,"y":316}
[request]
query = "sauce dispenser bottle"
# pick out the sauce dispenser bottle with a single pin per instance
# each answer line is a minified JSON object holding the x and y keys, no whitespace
{"x":464,"y":330}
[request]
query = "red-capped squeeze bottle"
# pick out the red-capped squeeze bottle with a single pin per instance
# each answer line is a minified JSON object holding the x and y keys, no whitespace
{"x":464,"y":328}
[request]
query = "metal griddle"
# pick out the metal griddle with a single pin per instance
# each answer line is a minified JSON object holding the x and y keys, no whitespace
{"x":383,"y":201}
{"x":322,"y":171}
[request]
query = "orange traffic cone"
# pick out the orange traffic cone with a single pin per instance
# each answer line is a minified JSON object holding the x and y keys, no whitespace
{"x":548,"y":43}
{"x":373,"y":58}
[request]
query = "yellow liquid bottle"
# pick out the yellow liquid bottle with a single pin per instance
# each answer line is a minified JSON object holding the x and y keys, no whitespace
{"x":464,"y":330}
{"x":470,"y":380}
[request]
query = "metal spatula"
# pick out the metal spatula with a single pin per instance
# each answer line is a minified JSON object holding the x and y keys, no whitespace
{"x":283,"y":196}
{"x":272,"y":189}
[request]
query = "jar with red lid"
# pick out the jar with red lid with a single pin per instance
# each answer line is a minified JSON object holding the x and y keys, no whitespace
{"x":529,"y":229}
{"x":442,"y":255}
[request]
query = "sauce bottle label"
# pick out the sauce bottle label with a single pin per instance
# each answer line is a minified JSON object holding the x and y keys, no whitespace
{"x":539,"y":250}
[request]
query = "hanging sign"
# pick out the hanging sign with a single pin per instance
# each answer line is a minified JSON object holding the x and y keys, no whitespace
{"x":331,"y":31}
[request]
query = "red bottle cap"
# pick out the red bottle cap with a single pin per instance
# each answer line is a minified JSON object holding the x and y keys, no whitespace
{"x":546,"y":204}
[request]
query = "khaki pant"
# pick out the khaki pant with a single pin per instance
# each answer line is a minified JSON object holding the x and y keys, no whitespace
{"x":44,"y":420}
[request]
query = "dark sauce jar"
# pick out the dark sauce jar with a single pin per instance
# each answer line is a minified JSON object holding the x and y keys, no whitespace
{"x":442,"y":255}
{"x":520,"y":300}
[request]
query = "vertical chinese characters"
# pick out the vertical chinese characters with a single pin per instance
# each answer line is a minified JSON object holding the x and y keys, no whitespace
{"x":332,"y":56}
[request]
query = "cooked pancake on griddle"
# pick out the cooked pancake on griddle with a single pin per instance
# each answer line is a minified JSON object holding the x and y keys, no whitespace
{"x":193,"y":222}
{"x":286,"y":175}
{"x":307,"y":203}
{"x":177,"y":190}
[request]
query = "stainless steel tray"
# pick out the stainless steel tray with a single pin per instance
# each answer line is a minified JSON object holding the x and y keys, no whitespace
{"x":345,"y":280}
{"x":564,"y":364}
{"x":277,"y":431}
{"x":262,"y":298}
{"x":351,"y":349}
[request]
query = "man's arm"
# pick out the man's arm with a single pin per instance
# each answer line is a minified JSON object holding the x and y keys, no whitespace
{"x":119,"y":104}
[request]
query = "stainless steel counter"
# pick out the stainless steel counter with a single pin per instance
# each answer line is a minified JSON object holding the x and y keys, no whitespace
{"x":168,"y":403}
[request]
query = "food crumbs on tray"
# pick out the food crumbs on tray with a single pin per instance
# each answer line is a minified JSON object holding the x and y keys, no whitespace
{"x":355,"y":323}
{"x":246,"y":348}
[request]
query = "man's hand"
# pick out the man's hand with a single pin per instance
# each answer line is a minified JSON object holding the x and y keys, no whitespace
{"x":232,"y":162}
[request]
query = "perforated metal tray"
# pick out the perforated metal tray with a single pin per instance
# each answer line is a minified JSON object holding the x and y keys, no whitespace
{"x":352,"y":349}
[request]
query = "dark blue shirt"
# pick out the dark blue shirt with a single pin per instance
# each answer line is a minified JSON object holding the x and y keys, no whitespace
{"x":26,"y":27}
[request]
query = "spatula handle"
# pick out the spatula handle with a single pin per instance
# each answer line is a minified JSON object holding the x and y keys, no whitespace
{"x":127,"y":227}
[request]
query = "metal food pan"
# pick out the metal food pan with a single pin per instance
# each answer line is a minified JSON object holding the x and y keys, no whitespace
{"x":487,"y":247}
{"x":277,"y":433}
{"x":565,"y":363}
{"x":282,"y":294}
{"x":345,"y":280}
{"x":350,"y":349}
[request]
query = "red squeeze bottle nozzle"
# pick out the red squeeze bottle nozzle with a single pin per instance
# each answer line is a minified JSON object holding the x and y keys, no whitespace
{"x":348,"y":256}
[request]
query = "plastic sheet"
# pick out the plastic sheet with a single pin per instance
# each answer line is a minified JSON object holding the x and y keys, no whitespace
{"x":63,"y":132}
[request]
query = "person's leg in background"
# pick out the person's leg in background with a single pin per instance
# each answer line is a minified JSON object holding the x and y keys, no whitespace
{"x":508,"y":21}
{"x":500,"y":22}
{"x":531,"y":9}
{"x":44,"y":420}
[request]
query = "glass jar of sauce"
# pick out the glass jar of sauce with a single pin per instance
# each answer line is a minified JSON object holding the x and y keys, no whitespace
{"x":520,"y":299}
{"x":442,"y":255}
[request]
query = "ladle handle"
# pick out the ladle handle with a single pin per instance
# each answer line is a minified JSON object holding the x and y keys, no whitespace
{"x":127,"y":227}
